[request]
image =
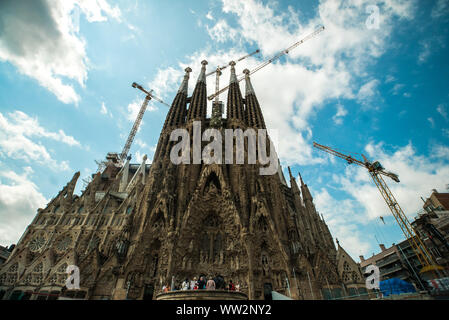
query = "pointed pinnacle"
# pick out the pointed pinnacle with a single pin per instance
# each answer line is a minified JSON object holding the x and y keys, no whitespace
{"x":202,"y":76}
{"x":249,"y":87}
{"x":185,"y":81}
{"x":302,"y":182}
{"x":233,"y":76}
{"x":290,"y":173}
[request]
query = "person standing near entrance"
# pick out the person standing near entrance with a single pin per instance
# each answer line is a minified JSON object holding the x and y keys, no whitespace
{"x":186,"y":284}
{"x":210,"y":284}
{"x":193,"y":284}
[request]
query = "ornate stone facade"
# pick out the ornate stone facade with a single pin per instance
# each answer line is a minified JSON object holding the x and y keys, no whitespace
{"x":137,"y":226}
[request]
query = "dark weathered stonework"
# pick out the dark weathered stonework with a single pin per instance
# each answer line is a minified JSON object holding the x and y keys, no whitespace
{"x":137,"y":226}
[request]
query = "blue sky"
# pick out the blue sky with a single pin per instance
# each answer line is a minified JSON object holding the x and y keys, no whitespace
{"x":66,"y":99}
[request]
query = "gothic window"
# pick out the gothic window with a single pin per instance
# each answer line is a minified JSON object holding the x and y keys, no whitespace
{"x":36,"y":243}
{"x":64,"y":243}
{"x":129,"y":210}
{"x":262,"y":224}
{"x":81,"y":209}
{"x":212,"y":180}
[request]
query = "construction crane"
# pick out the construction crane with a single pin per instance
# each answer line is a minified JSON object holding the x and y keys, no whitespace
{"x":267,"y":62}
{"x":218,"y":74}
{"x":377,"y":172}
{"x":132,"y":134}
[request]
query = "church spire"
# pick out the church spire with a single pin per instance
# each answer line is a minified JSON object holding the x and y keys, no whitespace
{"x":235,"y":108}
{"x":198,"y":105}
{"x":254,"y":117}
{"x":177,"y":113}
{"x":302,"y":182}
{"x":290,"y":173}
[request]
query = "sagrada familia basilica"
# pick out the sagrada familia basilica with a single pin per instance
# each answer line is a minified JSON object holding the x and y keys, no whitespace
{"x":136,"y":227}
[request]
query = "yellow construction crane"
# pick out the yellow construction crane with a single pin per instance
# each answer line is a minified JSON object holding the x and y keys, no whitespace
{"x":376,"y":172}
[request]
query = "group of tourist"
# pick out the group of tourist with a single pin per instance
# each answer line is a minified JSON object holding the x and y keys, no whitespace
{"x":202,"y":284}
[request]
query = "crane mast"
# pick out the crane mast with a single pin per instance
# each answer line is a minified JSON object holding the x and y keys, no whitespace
{"x":267,"y":62}
{"x":136,"y":125}
{"x":376,"y":172}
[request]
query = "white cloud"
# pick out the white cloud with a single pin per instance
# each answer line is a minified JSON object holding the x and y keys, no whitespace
{"x":390,"y":78}
{"x":343,"y":220}
{"x":440,"y":152}
{"x":40,"y":39}
{"x":425,"y":51}
{"x":440,"y":9}
{"x":94,"y":10}
{"x":341,"y":112}
{"x":397,"y":87}
{"x":19,"y":200}
{"x":431,"y":121}
{"x":17,"y":130}
{"x":368,"y":93}
{"x":103,"y":108}
{"x":442,"y":110}
{"x":368,"y":90}
{"x":222,"y":32}
{"x":166,"y":80}
{"x":446,"y":133}
{"x":209,"y":16}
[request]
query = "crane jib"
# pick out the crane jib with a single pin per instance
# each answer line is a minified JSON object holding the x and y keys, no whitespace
{"x":277,"y":56}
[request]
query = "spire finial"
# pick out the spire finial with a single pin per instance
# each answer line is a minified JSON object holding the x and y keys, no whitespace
{"x":202,"y":77}
{"x":233,"y":76}
{"x":249,"y":87}
{"x":185,"y":81}
{"x":290,"y":172}
{"x":300,"y":178}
